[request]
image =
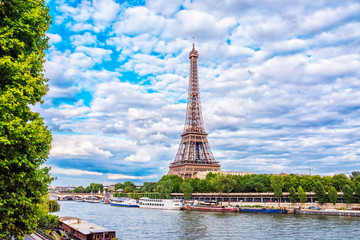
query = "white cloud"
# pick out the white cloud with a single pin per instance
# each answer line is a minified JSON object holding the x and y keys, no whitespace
{"x":54,"y":38}
{"x":97,"y":54}
{"x":277,"y":79}
{"x":121,"y":176}
{"x":72,"y":172}
{"x":68,"y":146}
{"x":321,"y":19}
{"x":138,"y":20}
{"x":85,"y":39}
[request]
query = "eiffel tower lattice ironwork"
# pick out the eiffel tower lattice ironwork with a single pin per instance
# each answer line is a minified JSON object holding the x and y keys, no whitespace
{"x":194,"y":154}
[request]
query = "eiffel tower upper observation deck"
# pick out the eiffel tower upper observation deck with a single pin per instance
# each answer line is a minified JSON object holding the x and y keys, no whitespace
{"x":194,"y":154}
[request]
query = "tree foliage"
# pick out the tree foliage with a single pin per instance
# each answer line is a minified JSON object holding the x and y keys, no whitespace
{"x":348,"y":195}
{"x":320,"y":193}
{"x":292,"y":195}
{"x":354,"y":174}
{"x":148,"y":187}
{"x":302,"y":195}
{"x":223,"y":183}
{"x":94,"y":187}
{"x":165,"y":188}
{"x":277,"y":185}
{"x":79,"y":189}
{"x":24,"y":139}
{"x":54,"y":206}
{"x":333,"y":195}
{"x":187,"y":189}
{"x":340,"y":180}
{"x":357,"y":193}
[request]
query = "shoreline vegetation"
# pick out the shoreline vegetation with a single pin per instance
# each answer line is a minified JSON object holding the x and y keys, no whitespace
{"x":327,"y":189}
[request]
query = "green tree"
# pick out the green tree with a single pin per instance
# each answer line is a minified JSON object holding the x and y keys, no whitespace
{"x":202,"y":186}
{"x":165,"y":188}
{"x":320,"y":193}
{"x":148,"y":187}
{"x":277,"y":185}
{"x":333,"y":195}
{"x":357,"y":193}
{"x":354,"y":174}
{"x":326,"y":181}
{"x":79,"y":189}
{"x":96,"y":187}
{"x":175,"y":181}
{"x":129,"y":184}
{"x":54,"y":206}
{"x":307,"y":183}
{"x":194,"y":183}
{"x":24,"y":138}
{"x":187,"y":189}
{"x":258,"y":183}
{"x":223,"y":183}
{"x":292,"y":195}
{"x":340,"y":180}
{"x":302,"y":195}
{"x":119,"y":186}
{"x":128,"y":189}
{"x":348,"y":195}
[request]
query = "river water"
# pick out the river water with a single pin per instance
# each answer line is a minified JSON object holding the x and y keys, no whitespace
{"x":138,"y":223}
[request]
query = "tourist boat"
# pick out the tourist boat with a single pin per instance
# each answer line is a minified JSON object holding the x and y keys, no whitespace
{"x":79,"y":199}
{"x":91,"y":200}
{"x":124,"y":202}
{"x":105,"y":201}
{"x":263,"y":210}
{"x":165,"y":204}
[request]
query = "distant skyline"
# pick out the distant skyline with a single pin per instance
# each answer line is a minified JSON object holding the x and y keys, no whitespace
{"x":279,"y":83}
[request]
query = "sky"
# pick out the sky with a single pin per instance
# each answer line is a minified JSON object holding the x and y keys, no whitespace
{"x":279,"y":83}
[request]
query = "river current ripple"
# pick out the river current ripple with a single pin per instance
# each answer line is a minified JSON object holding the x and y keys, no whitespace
{"x":137,"y":223}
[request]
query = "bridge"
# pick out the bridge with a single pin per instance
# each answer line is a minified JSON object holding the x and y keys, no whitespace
{"x":74,"y":196}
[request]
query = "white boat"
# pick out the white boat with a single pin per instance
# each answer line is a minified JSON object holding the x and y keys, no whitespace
{"x":79,"y":199}
{"x":91,"y":200}
{"x":166,"y":204}
{"x":124,"y":202}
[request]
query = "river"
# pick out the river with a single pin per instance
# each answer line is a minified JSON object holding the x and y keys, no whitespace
{"x":138,"y":223}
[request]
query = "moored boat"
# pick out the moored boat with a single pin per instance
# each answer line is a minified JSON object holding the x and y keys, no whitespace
{"x":263,"y":210}
{"x":123,"y":202}
{"x":209,"y":208}
{"x":91,"y":200}
{"x":165,"y":204}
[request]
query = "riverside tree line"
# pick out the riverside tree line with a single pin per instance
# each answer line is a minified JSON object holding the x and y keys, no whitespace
{"x":325,"y":187}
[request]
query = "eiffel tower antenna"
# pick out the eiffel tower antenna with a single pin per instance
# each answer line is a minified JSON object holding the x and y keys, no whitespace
{"x":194,"y":154}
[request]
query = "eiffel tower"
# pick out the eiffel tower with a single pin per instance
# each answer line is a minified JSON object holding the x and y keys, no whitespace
{"x":194,"y":154}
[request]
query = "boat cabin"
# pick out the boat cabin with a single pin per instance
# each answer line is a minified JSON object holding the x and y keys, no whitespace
{"x":80,"y":229}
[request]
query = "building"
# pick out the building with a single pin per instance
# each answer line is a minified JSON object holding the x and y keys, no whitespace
{"x":194,"y":154}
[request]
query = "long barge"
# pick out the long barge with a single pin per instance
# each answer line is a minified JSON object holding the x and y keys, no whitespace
{"x":263,"y":210}
{"x":328,"y":212}
{"x":209,"y":208}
